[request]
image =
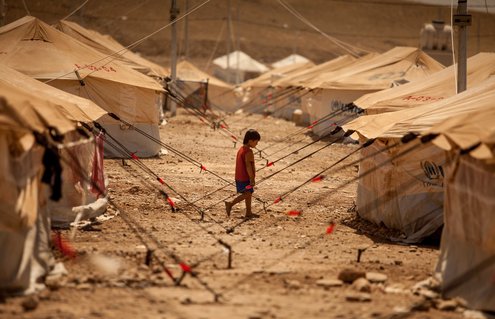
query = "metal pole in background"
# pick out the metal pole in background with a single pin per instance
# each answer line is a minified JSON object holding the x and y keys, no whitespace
{"x":174,"y":12}
{"x":3,"y":12}
{"x":462,"y":20}
{"x":228,"y":41}
{"x":186,"y":32}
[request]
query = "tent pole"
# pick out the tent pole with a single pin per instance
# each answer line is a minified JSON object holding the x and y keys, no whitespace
{"x":462,"y":20}
{"x":174,"y":12}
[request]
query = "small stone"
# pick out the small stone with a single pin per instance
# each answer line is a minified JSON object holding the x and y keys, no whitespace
{"x":401,"y":310}
{"x":349,"y":275}
{"x":473,"y":314}
{"x":328,"y":283}
{"x":83,"y":287}
{"x":54,"y":282}
{"x":293,"y":284}
{"x":376,"y":277}
{"x":421,"y":304}
{"x":30,"y":303}
{"x":398,"y":262}
{"x":429,"y":294}
{"x":358,"y":297}
{"x":362,"y":285}
{"x":446,"y":305}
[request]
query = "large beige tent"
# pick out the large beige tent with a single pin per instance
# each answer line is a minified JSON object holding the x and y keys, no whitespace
{"x":467,"y":251}
{"x":337,"y":89}
{"x":109,"y":46}
{"x":32,"y":47}
{"x":433,"y":88}
{"x":26,"y":255}
{"x":76,"y":193}
{"x":220,"y":93}
{"x":406,"y":193}
{"x":237,"y":67}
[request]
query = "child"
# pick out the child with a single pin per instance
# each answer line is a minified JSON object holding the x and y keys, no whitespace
{"x":245,"y":173}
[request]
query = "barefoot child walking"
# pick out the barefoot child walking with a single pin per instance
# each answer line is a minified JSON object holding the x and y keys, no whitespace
{"x":245,"y":173}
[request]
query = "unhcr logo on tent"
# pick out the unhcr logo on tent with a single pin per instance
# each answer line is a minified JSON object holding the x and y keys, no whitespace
{"x":433,"y":172}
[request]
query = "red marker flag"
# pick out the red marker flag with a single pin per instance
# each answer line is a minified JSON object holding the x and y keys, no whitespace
{"x":63,"y":246}
{"x":318,"y":178}
{"x":330,"y":228}
{"x":277,"y":200}
{"x":170,"y":202}
{"x":294,"y":213}
{"x":185,"y":267}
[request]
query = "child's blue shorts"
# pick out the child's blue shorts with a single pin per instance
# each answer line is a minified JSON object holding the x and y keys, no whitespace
{"x":241,"y":187}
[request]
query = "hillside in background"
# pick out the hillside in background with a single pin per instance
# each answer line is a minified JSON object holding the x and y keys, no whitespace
{"x":264,"y":29}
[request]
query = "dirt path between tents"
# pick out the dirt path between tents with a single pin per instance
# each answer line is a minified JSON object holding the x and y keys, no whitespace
{"x":283,"y":266}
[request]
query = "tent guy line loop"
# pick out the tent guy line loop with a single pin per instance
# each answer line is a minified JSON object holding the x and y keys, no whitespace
{"x":114,"y":55}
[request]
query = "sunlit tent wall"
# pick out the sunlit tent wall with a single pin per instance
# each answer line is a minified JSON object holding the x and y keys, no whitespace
{"x":337,"y":89}
{"x":237,"y":67}
{"x":290,"y":82}
{"x":83,"y":156}
{"x":467,"y":250}
{"x":32,"y":47}
{"x":26,"y":254}
{"x":406,"y":192}
{"x":259,"y":95}
{"x":220,"y":94}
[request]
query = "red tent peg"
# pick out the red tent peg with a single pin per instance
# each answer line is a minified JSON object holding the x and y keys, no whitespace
{"x":278,"y":199}
{"x":223,"y":126}
{"x":317,"y":178}
{"x":270,"y":164}
{"x":294,"y":213}
{"x":134,"y":156}
{"x":159,"y":179}
{"x":185,"y":267}
{"x":203,"y":168}
{"x":330,"y":228}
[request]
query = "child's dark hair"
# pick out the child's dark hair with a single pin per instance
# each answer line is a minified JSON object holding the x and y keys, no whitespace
{"x":251,"y":135}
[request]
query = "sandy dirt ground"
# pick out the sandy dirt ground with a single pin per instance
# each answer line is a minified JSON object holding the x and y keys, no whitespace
{"x":282,"y":266}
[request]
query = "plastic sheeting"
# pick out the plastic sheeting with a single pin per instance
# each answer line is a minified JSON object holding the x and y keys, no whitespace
{"x":405,"y":194}
{"x":467,"y":259}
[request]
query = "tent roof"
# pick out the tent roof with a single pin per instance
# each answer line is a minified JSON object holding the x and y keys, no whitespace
{"x":303,"y":77}
{"x":291,"y":59}
{"x":242,"y":61}
{"x":435,"y":87}
{"x":266,"y":78}
{"x":108,"y":46}
{"x":71,"y":106}
{"x":187,"y":71}
{"x":400,"y":64}
{"x":476,"y":100}
{"x":34,"y":48}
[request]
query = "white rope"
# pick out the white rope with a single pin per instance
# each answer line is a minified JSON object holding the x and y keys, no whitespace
{"x":26,"y":7}
{"x":454,"y":64}
{"x":132,"y":45}
{"x":343,"y":45}
{"x":220,"y":33}
{"x":77,"y":9}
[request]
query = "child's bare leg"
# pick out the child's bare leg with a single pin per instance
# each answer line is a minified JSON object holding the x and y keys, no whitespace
{"x":248,"y":198}
{"x":229,"y":205}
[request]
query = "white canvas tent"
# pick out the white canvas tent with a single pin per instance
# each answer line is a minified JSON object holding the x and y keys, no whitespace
{"x":289,"y":60}
{"x":32,"y":47}
{"x":407,"y":193}
{"x":26,"y":255}
{"x":109,"y":46}
{"x":237,"y":66}
{"x":467,"y":250}
{"x":336,"y":89}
